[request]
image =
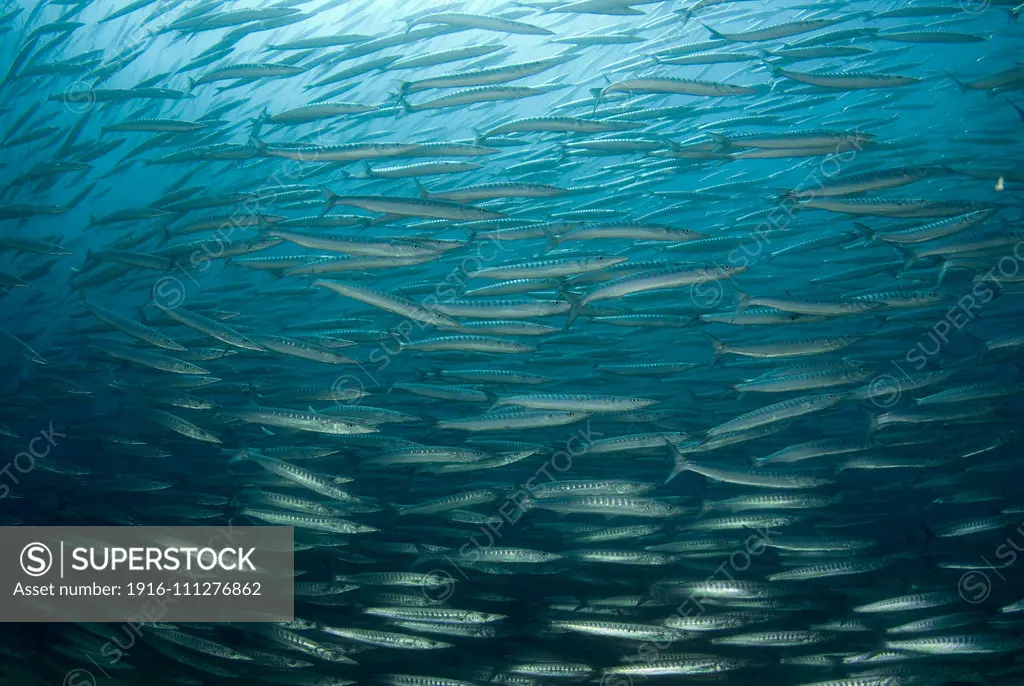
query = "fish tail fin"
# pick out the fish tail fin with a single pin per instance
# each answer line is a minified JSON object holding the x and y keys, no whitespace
{"x":868,"y":232}
{"x":706,"y":506}
{"x":252,"y":393}
{"x":403,"y":87}
{"x":673,"y":145}
{"x":262,"y":223}
{"x":1020,"y":110}
{"x":553,"y":238}
{"x":422,"y":555}
{"x":718,"y":347}
{"x":329,"y":199}
{"x":872,"y":418}
{"x":742,"y":305}
{"x":714,"y":34}
{"x":189,"y":87}
{"x":576,"y":304}
{"x":650,"y":594}
{"x":255,"y":140}
{"x":962,"y":85}
{"x":241,"y":455}
{"x":774,"y":69}
{"x":782,"y":194}
{"x":574,"y":312}
{"x":721,"y":141}
{"x":581,"y":604}
{"x":679,"y":463}
{"x":423,"y":192}
{"x":910,"y":258}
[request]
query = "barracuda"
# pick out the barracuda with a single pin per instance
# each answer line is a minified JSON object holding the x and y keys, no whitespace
{"x":484,"y":77}
{"x":675,"y":86}
{"x":210,"y":327}
{"x":301,"y":421}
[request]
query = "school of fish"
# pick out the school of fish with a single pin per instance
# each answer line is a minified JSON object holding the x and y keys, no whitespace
{"x":579,"y":341}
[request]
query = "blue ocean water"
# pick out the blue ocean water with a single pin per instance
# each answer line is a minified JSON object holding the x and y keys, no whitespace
{"x":593,"y":341}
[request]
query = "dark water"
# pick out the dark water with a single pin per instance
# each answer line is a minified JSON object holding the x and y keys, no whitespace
{"x":738,"y":400}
